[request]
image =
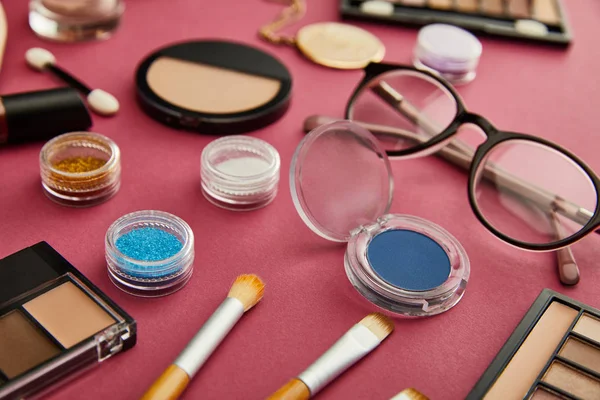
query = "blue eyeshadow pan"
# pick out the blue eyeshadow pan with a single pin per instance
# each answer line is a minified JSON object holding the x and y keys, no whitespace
{"x":408,"y":260}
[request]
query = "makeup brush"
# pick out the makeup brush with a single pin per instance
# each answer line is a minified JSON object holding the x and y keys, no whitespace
{"x":359,"y":341}
{"x":101,"y":102}
{"x":3,"y":33}
{"x":246,"y":291}
{"x":410,"y":394}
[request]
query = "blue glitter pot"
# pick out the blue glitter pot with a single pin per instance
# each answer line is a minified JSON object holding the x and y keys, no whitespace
{"x":149,"y":253}
{"x":342,"y":186}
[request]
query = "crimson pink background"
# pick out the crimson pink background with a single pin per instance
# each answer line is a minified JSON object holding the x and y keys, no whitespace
{"x":308,"y":302}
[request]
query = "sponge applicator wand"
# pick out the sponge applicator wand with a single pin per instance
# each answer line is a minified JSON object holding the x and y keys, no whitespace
{"x":99,"y":101}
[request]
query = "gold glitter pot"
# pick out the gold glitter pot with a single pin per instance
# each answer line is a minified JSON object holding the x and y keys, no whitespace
{"x":80,"y":169}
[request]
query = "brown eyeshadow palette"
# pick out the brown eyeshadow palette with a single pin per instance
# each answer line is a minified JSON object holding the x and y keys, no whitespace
{"x":542,"y":21}
{"x":53,"y":322}
{"x":553,"y":354}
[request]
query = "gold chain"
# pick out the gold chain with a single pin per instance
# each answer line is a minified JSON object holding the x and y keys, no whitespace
{"x":289,"y":15}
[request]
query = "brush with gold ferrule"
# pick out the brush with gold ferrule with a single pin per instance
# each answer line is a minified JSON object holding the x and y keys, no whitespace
{"x":359,"y":341}
{"x":246,"y":291}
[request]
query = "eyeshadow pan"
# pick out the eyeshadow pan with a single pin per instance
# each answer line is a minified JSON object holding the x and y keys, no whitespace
{"x":519,"y":8}
{"x":581,"y":353}
{"x":409,"y":260}
{"x":68,"y":314}
{"x":414,"y":3}
{"x":572,"y":381}
{"x":440,"y":4}
{"x":492,"y":7}
{"x":206,"y":89}
{"x":545,"y":11}
{"x":22,"y":345}
{"x":467,"y":5}
{"x":589,"y":327}
{"x":535,"y":351}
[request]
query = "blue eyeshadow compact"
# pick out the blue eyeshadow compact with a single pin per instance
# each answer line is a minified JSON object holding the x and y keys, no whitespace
{"x":342,"y":187}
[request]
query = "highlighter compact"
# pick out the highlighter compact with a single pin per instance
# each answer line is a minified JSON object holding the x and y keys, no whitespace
{"x":213,"y":87}
{"x":342,"y":187}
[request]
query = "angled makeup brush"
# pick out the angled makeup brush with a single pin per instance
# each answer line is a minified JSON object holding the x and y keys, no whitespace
{"x":101,"y":102}
{"x":246,"y":291}
{"x":359,"y":341}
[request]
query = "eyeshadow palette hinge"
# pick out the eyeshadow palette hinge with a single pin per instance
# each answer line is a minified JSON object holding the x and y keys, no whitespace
{"x":15,"y":302}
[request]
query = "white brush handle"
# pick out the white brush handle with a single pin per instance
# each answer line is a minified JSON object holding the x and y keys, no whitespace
{"x":354,"y":345}
{"x":210,"y":336}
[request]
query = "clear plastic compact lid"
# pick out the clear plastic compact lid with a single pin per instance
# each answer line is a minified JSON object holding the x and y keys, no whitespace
{"x":340,"y":178}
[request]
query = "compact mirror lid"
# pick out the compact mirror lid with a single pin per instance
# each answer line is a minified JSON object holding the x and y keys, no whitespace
{"x":340,"y":179}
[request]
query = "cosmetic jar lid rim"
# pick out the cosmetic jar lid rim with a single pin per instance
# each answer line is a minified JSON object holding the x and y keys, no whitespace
{"x":250,"y":142}
{"x":113,"y":160}
{"x":148,"y":214}
{"x":429,"y":50}
{"x":117,"y":10}
{"x":296,"y":187}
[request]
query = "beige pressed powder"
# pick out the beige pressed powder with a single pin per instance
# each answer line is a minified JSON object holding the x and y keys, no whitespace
{"x":589,"y":327}
{"x":68,"y":314}
{"x":207,"y":89}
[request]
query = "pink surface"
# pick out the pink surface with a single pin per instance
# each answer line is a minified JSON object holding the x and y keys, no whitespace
{"x":309,"y":302}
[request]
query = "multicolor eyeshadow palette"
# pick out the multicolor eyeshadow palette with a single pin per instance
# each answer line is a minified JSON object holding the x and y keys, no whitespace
{"x":53,"y":322}
{"x":537,"y":20}
{"x":553,"y":354}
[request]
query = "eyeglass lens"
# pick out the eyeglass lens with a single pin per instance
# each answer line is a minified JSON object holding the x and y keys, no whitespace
{"x":525,"y":190}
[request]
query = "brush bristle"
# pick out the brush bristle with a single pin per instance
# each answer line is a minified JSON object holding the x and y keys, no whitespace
{"x":248,"y":289}
{"x":379,"y":324}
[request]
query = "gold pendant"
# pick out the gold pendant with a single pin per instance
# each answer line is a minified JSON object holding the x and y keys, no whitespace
{"x":339,"y":46}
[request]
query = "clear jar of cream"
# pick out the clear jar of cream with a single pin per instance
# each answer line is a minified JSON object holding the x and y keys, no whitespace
{"x":149,"y":253}
{"x":342,"y":187}
{"x":240,"y":172}
{"x":80,"y":169}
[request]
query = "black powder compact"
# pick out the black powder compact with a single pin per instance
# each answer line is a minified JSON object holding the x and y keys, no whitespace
{"x":213,"y":87}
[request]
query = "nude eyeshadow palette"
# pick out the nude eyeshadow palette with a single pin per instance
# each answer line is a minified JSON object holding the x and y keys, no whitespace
{"x":542,"y":21}
{"x":553,"y":354}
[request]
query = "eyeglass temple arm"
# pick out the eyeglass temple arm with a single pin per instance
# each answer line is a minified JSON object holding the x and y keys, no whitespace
{"x":544,"y":199}
{"x":568,"y":271}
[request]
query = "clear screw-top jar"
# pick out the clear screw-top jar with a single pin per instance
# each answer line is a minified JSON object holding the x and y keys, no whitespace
{"x":80,"y":169}
{"x":75,"y":20}
{"x":240,"y":172}
{"x":150,"y":253}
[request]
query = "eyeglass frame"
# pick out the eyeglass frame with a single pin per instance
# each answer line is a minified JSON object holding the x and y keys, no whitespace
{"x":494,"y":137}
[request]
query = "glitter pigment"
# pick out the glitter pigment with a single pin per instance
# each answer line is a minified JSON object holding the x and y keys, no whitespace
{"x":80,"y":169}
{"x":149,"y":253}
{"x":79,"y":164}
{"x":148,"y":244}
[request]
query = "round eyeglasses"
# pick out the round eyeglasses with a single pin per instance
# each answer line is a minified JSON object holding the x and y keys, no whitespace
{"x":527,"y":191}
